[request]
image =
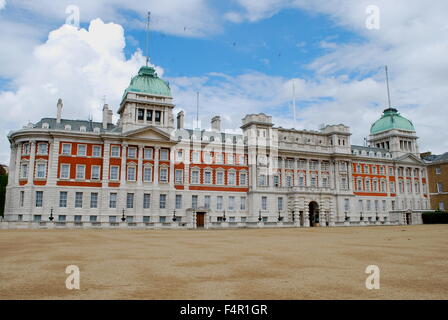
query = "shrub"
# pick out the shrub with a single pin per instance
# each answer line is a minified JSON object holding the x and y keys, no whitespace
{"x":437,"y":217}
{"x":3,"y":184}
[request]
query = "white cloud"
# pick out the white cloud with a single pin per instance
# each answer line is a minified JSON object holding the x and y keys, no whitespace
{"x":2,"y":4}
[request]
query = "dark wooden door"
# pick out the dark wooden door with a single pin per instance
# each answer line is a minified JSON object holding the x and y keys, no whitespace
{"x":200,"y":220}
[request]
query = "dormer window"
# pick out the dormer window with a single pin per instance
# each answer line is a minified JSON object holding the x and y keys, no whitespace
{"x":45,"y":125}
{"x":96,"y":130}
{"x":82,"y":129}
{"x":42,"y":148}
{"x":68,"y":127}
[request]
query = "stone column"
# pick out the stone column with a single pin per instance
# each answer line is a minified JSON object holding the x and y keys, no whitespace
{"x":53,"y":162}
{"x":156,"y":165}
{"x":306,"y":217}
{"x":140,"y":166}
{"x":337,"y":176}
{"x":31,"y":163}
{"x":124,"y":156}
{"x":308,"y":175}
{"x":106,"y":165}
{"x":350,"y":176}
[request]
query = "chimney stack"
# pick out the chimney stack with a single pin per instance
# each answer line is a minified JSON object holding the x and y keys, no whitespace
{"x":216,"y":124}
{"x":105,"y":116}
{"x":180,"y":120}
{"x":59,"y":112}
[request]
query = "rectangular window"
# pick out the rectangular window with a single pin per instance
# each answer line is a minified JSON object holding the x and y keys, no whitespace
{"x":162,"y":201}
{"x":62,"y":218}
{"x":178,"y":201}
{"x":66,"y":148}
{"x":301,"y":181}
{"x":22,"y":198}
{"x":96,"y":172}
{"x":141,"y":114}
{"x":148,"y":153}
{"x":114,"y":173}
{"x":42,"y":148}
{"x":264,"y":203}
{"x":115,"y":152}
{"x":63,"y":199}
{"x":219,"y":203}
{"x":220,"y":177}
{"x":442,"y":206}
{"x":439,"y":170}
{"x":162,"y":219}
{"x":78,"y":218}
{"x":146,"y":201}
{"x":80,"y":171}
{"x":65,"y":171}
{"x":231,"y":203}
{"x":130,"y":201}
{"x":78,"y":200}
{"x":82,"y":150}
{"x":37,"y":218}
{"x":147,"y":174}
{"x":243,"y":203}
{"x":163,"y":175}
{"x":194,"y":202}
{"x":207,"y":177}
{"x":41,"y":171}
{"x":241,"y":160}
{"x":231,"y":178}
{"x":179,"y":176}
{"x":207,"y":202}
{"x":439,"y":187}
{"x":132,"y":153}
{"x":94,"y":200}
{"x":113,"y":200}
{"x":131,"y":173}
{"x":149,"y":115}
{"x":207,"y":158}
{"x":195,"y":177}
{"x":158,"y":116}
{"x":146,"y":219}
{"x":96,"y":151}
{"x":347,"y":205}
{"x":262,"y":180}
{"x":93,"y":218}
{"x":243,"y":179}
{"x":24,"y":171}
{"x":39,"y":199}
{"x":112,"y":219}
{"x":219,"y":159}
{"x":195,"y":157}
{"x":163,"y":154}
{"x":280,"y":204}
{"x":360,"y":205}
{"x":230,"y":159}
{"x":179,"y":156}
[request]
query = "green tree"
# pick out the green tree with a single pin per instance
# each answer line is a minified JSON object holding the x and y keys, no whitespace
{"x":3,"y":184}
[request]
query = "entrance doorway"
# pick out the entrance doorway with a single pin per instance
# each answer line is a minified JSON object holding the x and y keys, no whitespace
{"x":314,"y":214}
{"x":200,"y":219}
{"x":408,"y":218}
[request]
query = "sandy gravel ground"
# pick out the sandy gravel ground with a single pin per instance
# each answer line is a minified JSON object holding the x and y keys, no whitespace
{"x":323,"y":263}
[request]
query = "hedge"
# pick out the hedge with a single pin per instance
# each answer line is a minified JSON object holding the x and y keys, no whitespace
{"x":437,"y":217}
{"x":3,"y":184}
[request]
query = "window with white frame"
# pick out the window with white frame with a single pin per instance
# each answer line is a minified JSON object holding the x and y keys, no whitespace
{"x":243,"y":179}
{"x":132,"y":153}
{"x":96,"y":151}
{"x":130,"y":201}
{"x":289,"y":181}
{"x":162,"y":201}
{"x":280,"y":203}
{"x":207,"y":158}
{"x":347,"y":205}
{"x":66,"y":148}
{"x":438,"y":170}
{"x":82,"y":150}
{"x":219,"y":200}
{"x":207,"y":200}
{"x":22,"y":199}
{"x":218,"y":158}
{"x":243,"y":203}
{"x":195,"y":157}
{"x":96,"y":172}
{"x":301,"y":181}
{"x":41,"y":170}
{"x":42,"y":148}
{"x":114,"y":172}
{"x":207,"y":177}
{"x":231,"y":203}
{"x":131,"y":173}
{"x":179,"y":176}
{"x":313,"y":181}
{"x":147,"y":174}
{"x":115,"y":152}
{"x":113,"y":200}
{"x":146,"y":201}
{"x":24,"y":170}
{"x":94,"y":200}
{"x":63,"y":199}
{"x":179,"y":156}
{"x":80,"y":171}
{"x":147,"y":153}
{"x":264,"y":203}
{"x":230,"y":159}
{"x":39,"y":199}
{"x":439,"y":187}
{"x":392,"y":187}
{"x":164,"y":154}
{"x":194,"y":202}
{"x":178,"y":201}
{"x":220,"y":177}
{"x":65,"y":171}
{"x":241,"y":160}
{"x":262,"y":180}
{"x":78,"y":199}
{"x":26,"y":149}
{"x":231,"y":178}
{"x":163,"y":175}
{"x":195,"y":177}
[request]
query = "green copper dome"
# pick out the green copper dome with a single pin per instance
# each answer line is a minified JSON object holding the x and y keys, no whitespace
{"x":390,"y":120}
{"x":148,"y":82}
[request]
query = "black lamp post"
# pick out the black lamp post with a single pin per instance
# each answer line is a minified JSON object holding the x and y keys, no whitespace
{"x":51,"y":214}
{"x":361,"y":218}
{"x":174,"y":216}
{"x":259,"y":216}
{"x":377,"y":217}
{"x":224,"y":216}
{"x":280,"y":218}
{"x":123,"y":217}
{"x":293,"y":217}
{"x":346,"y":216}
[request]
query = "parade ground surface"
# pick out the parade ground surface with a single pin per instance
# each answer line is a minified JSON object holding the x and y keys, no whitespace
{"x":320,"y":263}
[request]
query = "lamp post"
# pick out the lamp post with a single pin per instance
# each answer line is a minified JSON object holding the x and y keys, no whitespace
{"x":361,"y":218}
{"x":51,"y":214}
{"x":293,"y":217}
{"x":224,"y":216}
{"x":123,"y":217}
{"x":280,"y":218}
{"x":174,"y":216}
{"x":259,"y":216}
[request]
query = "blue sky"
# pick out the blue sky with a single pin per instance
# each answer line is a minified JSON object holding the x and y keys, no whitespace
{"x":243,"y":56}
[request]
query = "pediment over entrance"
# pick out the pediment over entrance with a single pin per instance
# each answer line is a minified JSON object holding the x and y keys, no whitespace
{"x":410,"y":159}
{"x":149,"y":133}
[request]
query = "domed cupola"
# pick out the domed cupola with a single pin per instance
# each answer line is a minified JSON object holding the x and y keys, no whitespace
{"x":148,"y":82}
{"x":390,"y":120}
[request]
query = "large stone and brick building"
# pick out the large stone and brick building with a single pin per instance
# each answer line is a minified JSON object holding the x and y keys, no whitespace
{"x":438,"y":180}
{"x":146,"y":171}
